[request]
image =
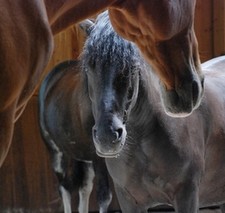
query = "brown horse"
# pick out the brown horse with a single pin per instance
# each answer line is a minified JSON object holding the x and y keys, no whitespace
{"x":163,"y":30}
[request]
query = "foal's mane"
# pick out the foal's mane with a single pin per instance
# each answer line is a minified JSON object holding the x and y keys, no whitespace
{"x":104,"y":46}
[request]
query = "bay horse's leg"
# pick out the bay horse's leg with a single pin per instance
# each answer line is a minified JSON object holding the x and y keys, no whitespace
{"x":187,"y":199}
{"x":86,"y":187}
{"x":104,"y":194}
{"x":6,"y":130}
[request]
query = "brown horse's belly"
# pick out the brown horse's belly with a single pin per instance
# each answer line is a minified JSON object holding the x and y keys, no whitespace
{"x":27,"y":50}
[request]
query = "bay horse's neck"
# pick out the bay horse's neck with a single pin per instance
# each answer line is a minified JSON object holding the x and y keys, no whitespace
{"x":165,"y":20}
{"x":62,"y":13}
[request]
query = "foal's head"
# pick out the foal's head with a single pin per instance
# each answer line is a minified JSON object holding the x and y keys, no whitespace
{"x":112,"y":70}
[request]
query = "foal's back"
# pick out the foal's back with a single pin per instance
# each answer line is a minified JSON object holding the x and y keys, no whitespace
{"x":66,"y":122}
{"x":65,"y":110}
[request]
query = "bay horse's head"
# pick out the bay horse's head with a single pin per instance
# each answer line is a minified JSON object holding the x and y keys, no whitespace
{"x":164,"y":32}
{"x":112,"y":72}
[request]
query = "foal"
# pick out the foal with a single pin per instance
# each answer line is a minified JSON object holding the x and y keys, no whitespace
{"x":153,"y":158}
{"x":65,"y":123}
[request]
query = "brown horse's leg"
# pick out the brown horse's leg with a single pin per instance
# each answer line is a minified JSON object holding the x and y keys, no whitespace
{"x":6,"y":131}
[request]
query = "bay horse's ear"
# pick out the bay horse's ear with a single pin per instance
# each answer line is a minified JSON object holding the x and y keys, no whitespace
{"x":86,"y":26}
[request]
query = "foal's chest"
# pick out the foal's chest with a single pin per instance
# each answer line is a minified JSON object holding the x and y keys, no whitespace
{"x":147,"y":177}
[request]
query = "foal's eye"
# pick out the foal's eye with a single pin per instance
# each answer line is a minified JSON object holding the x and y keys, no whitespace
{"x":92,"y":64}
{"x":120,"y":81}
{"x":130,"y":93}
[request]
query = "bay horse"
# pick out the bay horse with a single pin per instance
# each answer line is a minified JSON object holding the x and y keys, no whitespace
{"x":65,"y":120}
{"x":152,"y":158}
{"x":163,"y":31}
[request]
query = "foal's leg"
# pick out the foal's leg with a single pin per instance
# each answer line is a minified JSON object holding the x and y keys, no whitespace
{"x":127,"y":202}
{"x":187,"y":200}
{"x":66,"y":198}
{"x":6,"y":131}
{"x":104,"y":194}
{"x":222,"y":208}
{"x":86,"y":187}
{"x":75,"y":174}
{"x":62,"y":167}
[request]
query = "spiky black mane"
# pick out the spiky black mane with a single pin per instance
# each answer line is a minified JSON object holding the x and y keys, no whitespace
{"x":104,"y":46}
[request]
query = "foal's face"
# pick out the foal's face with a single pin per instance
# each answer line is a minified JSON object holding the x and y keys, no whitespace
{"x":113,"y":92}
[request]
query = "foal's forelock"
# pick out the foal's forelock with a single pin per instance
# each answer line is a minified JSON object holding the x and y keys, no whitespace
{"x":105,"y":46}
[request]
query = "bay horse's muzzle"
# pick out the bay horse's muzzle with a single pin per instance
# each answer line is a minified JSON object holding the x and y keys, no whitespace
{"x":181,"y":101}
{"x":109,"y":138}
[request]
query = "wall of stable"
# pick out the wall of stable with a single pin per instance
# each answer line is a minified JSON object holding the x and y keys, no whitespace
{"x":26,"y":179}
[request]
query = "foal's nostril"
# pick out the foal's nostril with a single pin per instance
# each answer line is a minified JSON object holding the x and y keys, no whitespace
{"x":119,"y":133}
{"x":195,"y":92}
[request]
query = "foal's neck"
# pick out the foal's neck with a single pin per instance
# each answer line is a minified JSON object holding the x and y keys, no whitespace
{"x":148,"y":103}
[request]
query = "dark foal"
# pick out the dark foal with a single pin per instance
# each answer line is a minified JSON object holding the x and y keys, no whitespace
{"x":153,"y":158}
{"x":66,"y":122}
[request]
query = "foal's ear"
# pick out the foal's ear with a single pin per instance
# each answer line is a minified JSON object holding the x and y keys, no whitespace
{"x":86,"y":26}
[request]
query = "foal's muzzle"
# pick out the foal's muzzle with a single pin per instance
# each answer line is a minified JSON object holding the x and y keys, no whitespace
{"x":109,"y":140}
